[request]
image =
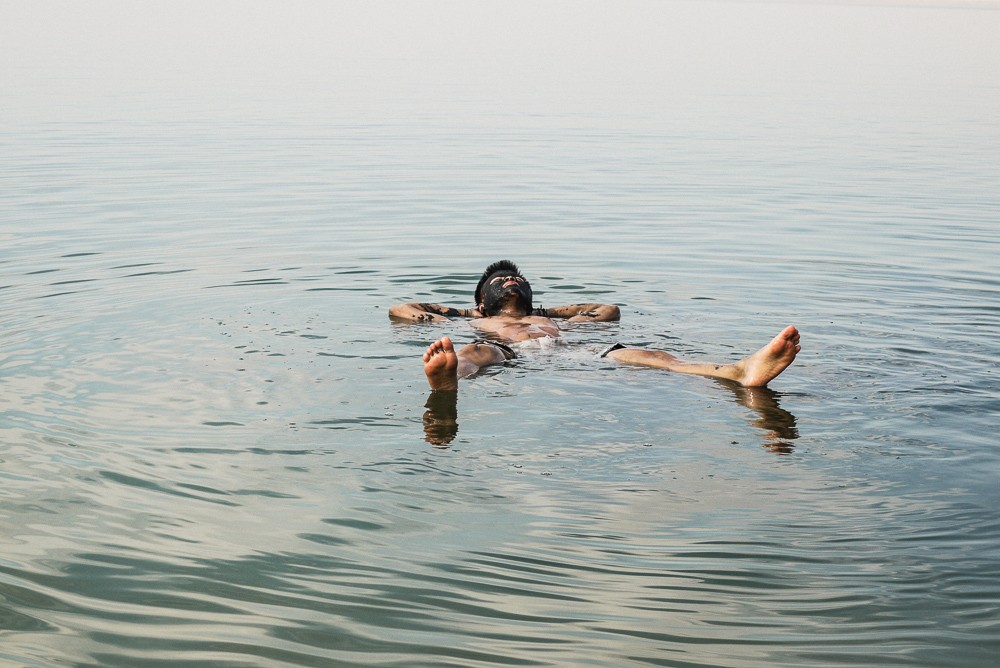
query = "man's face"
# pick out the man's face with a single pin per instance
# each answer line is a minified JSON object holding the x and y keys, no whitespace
{"x":507,"y":281}
{"x":505,"y":291}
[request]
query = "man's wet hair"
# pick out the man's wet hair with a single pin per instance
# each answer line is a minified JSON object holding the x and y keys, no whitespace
{"x":506,"y":267}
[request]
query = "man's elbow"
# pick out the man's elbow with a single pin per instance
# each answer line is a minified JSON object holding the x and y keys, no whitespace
{"x":400,"y":312}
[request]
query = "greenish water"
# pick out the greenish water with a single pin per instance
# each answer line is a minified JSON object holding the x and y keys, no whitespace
{"x":212,"y":439}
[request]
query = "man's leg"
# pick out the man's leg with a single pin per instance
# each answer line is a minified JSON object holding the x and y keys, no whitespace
{"x":756,"y":370}
{"x":444,"y":366}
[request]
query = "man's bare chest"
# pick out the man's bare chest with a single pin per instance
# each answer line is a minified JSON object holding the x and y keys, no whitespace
{"x":517,"y":328}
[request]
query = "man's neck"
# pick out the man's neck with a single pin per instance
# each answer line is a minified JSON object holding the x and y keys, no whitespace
{"x":511,"y":307}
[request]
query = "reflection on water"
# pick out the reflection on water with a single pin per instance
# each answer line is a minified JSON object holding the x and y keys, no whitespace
{"x":441,"y":417}
{"x":777,"y":426}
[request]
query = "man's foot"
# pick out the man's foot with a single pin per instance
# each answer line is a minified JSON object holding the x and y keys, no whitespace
{"x":441,"y":365}
{"x":761,"y":367}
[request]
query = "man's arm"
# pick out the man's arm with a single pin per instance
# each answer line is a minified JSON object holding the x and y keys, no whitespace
{"x":421,"y":312}
{"x":583,"y":312}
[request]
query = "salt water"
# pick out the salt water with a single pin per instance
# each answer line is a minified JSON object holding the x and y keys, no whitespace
{"x":212,"y":439}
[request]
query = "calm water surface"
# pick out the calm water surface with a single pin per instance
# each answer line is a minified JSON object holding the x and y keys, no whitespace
{"x":212,"y":439}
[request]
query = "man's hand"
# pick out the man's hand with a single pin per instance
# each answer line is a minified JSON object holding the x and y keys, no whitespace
{"x":585,"y":312}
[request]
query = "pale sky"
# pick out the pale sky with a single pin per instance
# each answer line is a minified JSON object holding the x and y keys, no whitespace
{"x":525,"y":54}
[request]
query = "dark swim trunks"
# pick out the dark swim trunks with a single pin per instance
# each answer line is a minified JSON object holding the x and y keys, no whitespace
{"x":507,"y":351}
{"x":617,"y":346}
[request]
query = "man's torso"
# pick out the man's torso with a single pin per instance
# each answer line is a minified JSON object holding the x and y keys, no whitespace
{"x":517,"y":328}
